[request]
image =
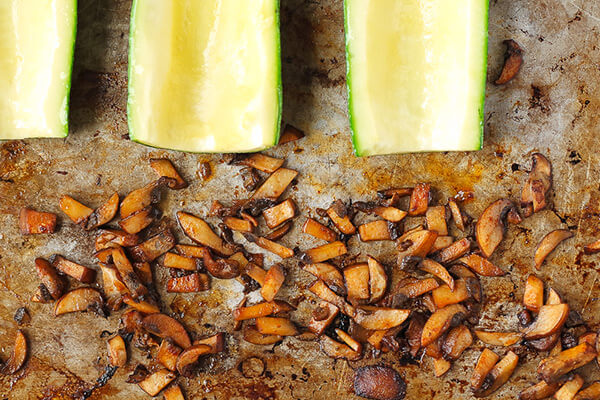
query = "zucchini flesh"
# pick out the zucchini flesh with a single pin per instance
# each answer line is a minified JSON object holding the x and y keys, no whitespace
{"x":205,"y":76}
{"x":416,"y":72}
{"x":36,"y":49}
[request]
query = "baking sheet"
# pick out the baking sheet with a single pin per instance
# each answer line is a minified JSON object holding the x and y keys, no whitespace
{"x":552,"y":107}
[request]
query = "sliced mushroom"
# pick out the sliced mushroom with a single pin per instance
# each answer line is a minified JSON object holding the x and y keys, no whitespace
{"x":549,"y":243}
{"x":337,"y":350}
{"x":154,"y":247}
{"x":377,"y":280}
{"x":456,"y":341}
{"x":349,"y":340}
{"x":172,"y":260}
{"x":591,"y":392}
{"x":275,"y":184}
{"x":17,"y":356}
{"x":414,"y":332}
{"x":144,"y":272}
{"x":376,"y":230}
{"x":499,"y":338}
{"x":440,"y":321}
{"x":380,"y":318}
{"x":438,"y":270}
{"x":269,"y":245}
{"x":491,"y":226}
{"x":273,"y":281}
{"x":552,"y":368}
{"x":142,"y":306}
{"x":441,"y":366}
{"x":167,"y":354}
{"x":128,"y":275}
{"x":486,"y":361}
{"x":539,"y":391}
{"x":216,"y":342}
{"x":419,"y":199}
{"x":416,"y":243}
{"x":444,"y":296}
{"x":188,"y":357}
{"x":117,"y":352}
{"x":262,"y":162}
{"x":592,"y":248}
{"x":398,"y":192}
{"x":276,"y":215}
{"x":103,"y":214}
{"x":512,"y":62}
{"x":81,"y":299}
{"x":328,"y":274}
{"x":457,"y":216}
{"x":76,"y":211}
{"x":238,"y":224}
{"x":113,"y":286}
{"x":33,"y":222}
{"x":200,"y":232}
{"x":481,"y":266}
{"x":318,"y":230}
{"x":324,"y":252}
{"x":164,"y":168}
{"x":538,"y":185}
{"x":533,"y":297}
{"x":255,"y":272}
{"x":290,"y":134}
{"x":379,"y":382}
{"x":54,"y":284}
{"x":498,"y":375}
{"x":141,"y":198}
{"x":157,"y":381}
{"x":471,"y":281}
{"x":568,"y":390}
{"x":81,"y":273}
{"x":341,"y":219}
{"x":191,"y":283}
{"x":109,"y":238}
{"x":164,"y":326}
{"x":454,"y":251}
{"x":391,"y":214}
{"x":252,"y":335}
{"x":357,"y":281}
{"x":173,"y":392}
{"x":321,"y":290}
{"x":276,"y":326}
{"x":549,"y":320}
{"x":412,"y":287}
{"x":322,"y":317}
{"x":436,"y":220}
{"x":222,"y":268}
{"x":139,"y":220}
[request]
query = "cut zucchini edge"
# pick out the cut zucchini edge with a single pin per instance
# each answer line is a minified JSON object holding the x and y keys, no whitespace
{"x":65,"y":109}
{"x":358,"y":151}
{"x":278,"y":83}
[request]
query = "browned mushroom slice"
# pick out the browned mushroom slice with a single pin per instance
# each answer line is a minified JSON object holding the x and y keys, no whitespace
{"x":357,"y":281}
{"x":17,"y":356}
{"x":481,"y":266}
{"x":588,"y":337}
{"x":454,"y":251}
{"x":157,"y":381}
{"x":349,"y":340}
{"x":592,"y":247}
{"x":457,"y":216}
{"x":188,"y":357}
{"x":290,"y":134}
{"x":113,"y":287}
{"x":498,"y":375}
{"x":375,"y":230}
{"x":456,"y":341}
{"x":444,"y":296}
{"x":437,"y":269}
{"x":76,"y":211}
{"x":337,"y":350}
{"x":380,"y":318}
{"x":154,"y":247}
{"x":436,"y":220}
{"x":415,"y":243}
{"x":276,"y":326}
{"x":103,"y":214}
{"x":164,"y":168}
{"x":74,"y":270}
{"x":591,"y":392}
{"x":269,"y":245}
{"x":238,"y":224}
{"x":172,"y":260}
{"x":419,"y":199}
{"x":164,"y":326}
{"x":512,"y":62}
{"x":262,"y":162}
{"x":441,"y":242}
{"x":539,"y":180}
{"x":440,"y":321}
{"x":338,"y":215}
{"x":81,"y":299}
{"x":189,"y":283}
{"x":568,"y":390}
{"x":414,"y":331}
{"x":324,"y":252}
{"x":279,"y":232}
{"x":379,"y":382}
{"x":377,"y":280}
{"x":328,"y":274}
{"x":533,"y":297}
{"x":539,"y":391}
{"x":280,"y":213}
{"x":33,"y":222}
{"x":52,"y":281}
{"x":549,"y":320}
{"x":320,"y":289}
{"x":441,"y":366}
{"x":128,"y":274}
{"x":255,"y":272}
{"x":144,"y":272}
{"x":412,"y":287}
{"x":200,"y":232}
{"x":140,"y":198}
{"x":499,"y":338}
{"x":108,"y":238}
{"x":485,"y":363}
{"x":117,"y":353}
{"x":471,"y":281}
{"x":322,"y":317}
{"x":318,"y":230}
{"x":142,"y":306}
{"x":139,"y":220}
{"x":491,"y":226}
{"x":216,"y":342}
{"x":399,"y":192}
{"x":173,"y":392}
{"x":552,"y":368}
{"x":549,"y":243}
{"x":167,"y":354}
{"x":275,"y":184}
{"x":252,"y":335}
{"x":391,"y":214}
{"x":261,"y":310}
{"x":273,"y":282}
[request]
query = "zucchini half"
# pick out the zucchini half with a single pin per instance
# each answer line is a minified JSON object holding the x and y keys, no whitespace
{"x":416,"y":72}
{"x":37,"y":39}
{"x":205,"y":75}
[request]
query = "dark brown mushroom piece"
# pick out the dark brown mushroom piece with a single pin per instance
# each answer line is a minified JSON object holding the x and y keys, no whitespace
{"x":379,"y":382}
{"x":512,"y":62}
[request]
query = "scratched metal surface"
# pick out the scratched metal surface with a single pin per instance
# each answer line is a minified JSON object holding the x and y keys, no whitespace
{"x":552,"y":107}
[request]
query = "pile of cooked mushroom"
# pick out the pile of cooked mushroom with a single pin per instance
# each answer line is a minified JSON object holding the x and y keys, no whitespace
{"x":432,"y":312}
